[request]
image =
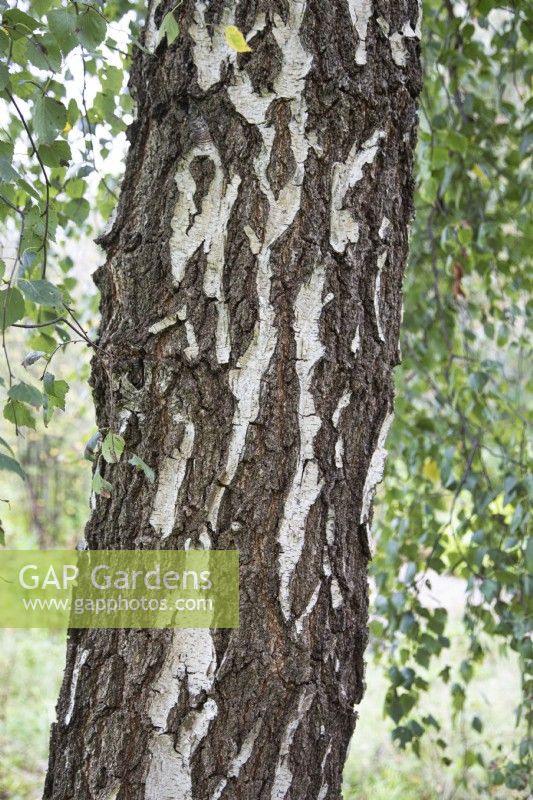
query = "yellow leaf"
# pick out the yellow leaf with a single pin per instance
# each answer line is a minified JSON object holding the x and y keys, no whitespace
{"x":480,"y":175}
{"x":67,"y":128}
{"x":430,"y":470}
{"x":236,"y":40}
{"x":497,"y":508}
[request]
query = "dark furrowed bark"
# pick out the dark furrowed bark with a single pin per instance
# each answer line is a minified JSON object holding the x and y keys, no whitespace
{"x":251,"y":304}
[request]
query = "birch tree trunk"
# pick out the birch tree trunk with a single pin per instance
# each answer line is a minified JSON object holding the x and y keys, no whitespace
{"x":251,"y":305}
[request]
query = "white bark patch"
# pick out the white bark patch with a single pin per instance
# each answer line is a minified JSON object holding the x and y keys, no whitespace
{"x":165,"y":767}
{"x":255,"y":244}
{"x":193,"y":228}
{"x":335,"y":591}
{"x":204,"y":538}
{"x":110,"y":793}
{"x":401,"y":324}
{"x":330,"y":527}
{"x":326,"y":564}
{"x":417,"y":33}
{"x":384,"y":25}
{"x":339,"y":452}
{"x":336,"y":594}
{"x":169,"y":776}
{"x":210,"y":51}
{"x":162,"y":324}
{"x":398,"y":49}
{"x":80,"y":661}
{"x":306,"y":484}
{"x":299,"y":624}
{"x":240,"y":759}
{"x":384,"y":227}
{"x":376,"y":468}
{"x":123,"y":419}
{"x":330,"y":539}
{"x":343,"y":227}
{"x":214,"y":274}
{"x":246,"y":378}
{"x":151,"y":32}
{"x":339,"y":444}
{"x":341,"y":405}
{"x":191,"y":657}
{"x":191,"y":351}
{"x":283,"y":775}
{"x":170,"y":478}
{"x":360,"y":13}
{"x":382,"y":258}
{"x":356,"y":342}
{"x":324,"y":788}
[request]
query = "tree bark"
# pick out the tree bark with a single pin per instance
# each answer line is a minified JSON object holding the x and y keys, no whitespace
{"x":251,"y":305}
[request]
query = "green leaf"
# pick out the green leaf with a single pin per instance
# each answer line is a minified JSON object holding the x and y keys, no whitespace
{"x":56,"y":154}
{"x":9,"y":464}
{"x":529,"y":554}
{"x":141,"y":465}
{"x":49,"y":117}
{"x":439,"y":157}
{"x":56,"y":390}
{"x":4,"y":444}
{"x":41,"y":292}
{"x":416,"y":729}
{"x":4,"y":77}
{"x":22,"y":23}
{"x":91,"y":28}
{"x":100,"y":485}
{"x":73,"y":112}
{"x":32,"y":358}
{"x":464,"y":235}
{"x":77,"y":210}
{"x":62,"y":24}
{"x":169,"y":28}
{"x":477,"y":724}
{"x":236,"y":40}
{"x":25,"y":393}
{"x":19,"y":414}
{"x":11,"y":307}
{"x":457,"y":141}
{"x":43,"y":53}
{"x":113,"y":447}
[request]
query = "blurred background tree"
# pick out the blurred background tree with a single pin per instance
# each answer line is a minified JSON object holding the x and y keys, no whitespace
{"x":450,"y":651}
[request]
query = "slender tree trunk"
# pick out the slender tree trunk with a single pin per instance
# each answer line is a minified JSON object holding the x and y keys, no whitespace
{"x":251,"y":304}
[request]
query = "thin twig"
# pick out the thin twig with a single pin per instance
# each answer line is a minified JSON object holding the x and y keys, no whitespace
{"x":44,"y":246}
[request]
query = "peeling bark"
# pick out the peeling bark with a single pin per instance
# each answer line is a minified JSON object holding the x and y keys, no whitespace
{"x":251,"y":305}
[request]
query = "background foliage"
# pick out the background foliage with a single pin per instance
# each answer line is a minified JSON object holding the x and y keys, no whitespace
{"x":455,"y":499}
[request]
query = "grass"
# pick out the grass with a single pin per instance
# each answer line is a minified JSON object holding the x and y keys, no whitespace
{"x":31,"y":664}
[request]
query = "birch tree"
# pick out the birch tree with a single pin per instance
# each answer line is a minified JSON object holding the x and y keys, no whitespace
{"x":250,"y":316}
